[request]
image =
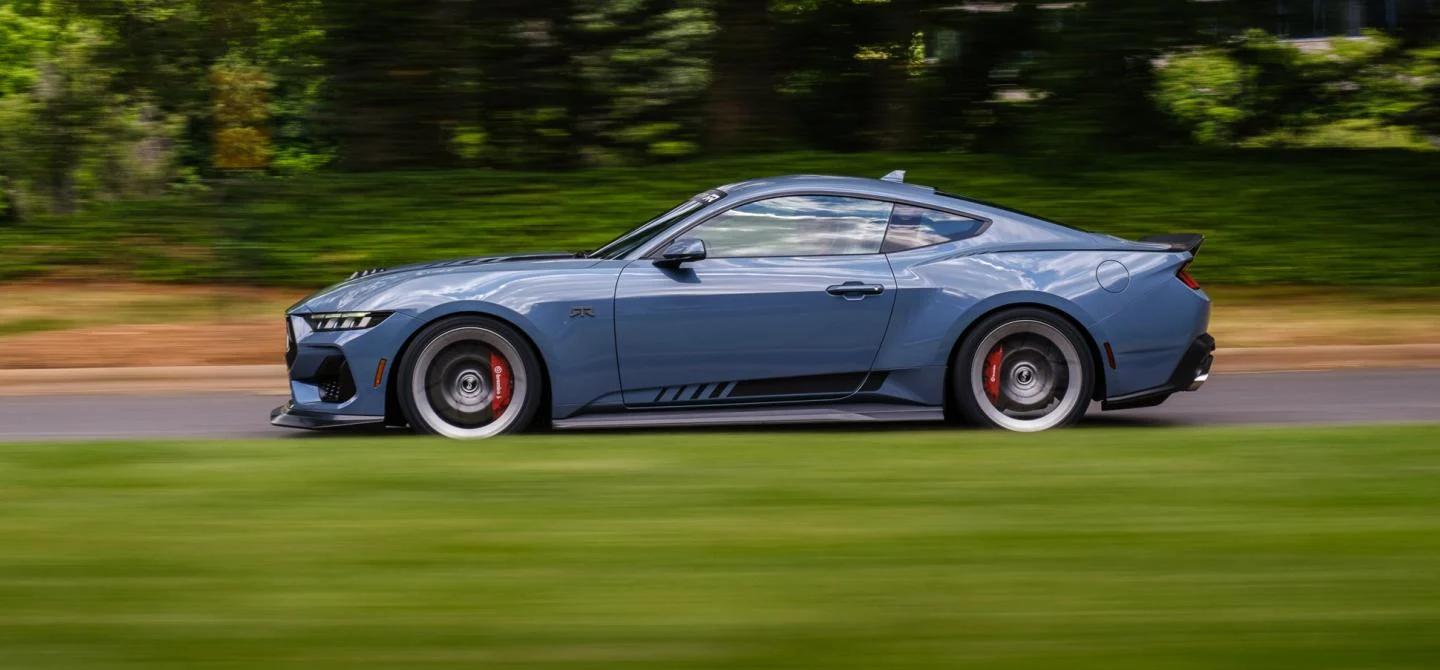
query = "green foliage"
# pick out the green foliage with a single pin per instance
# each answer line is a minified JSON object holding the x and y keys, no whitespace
{"x":1122,"y":549}
{"x":1206,"y":91}
{"x":66,"y":136}
{"x":1271,"y":217}
{"x":644,"y":71}
{"x":1262,"y":92}
{"x":105,"y":99}
{"x":241,"y":110}
{"x":1097,"y":72}
{"x":1344,"y":134}
{"x":23,"y":38}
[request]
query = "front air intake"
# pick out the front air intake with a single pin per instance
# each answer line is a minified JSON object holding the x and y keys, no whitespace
{"x":333,"y":379}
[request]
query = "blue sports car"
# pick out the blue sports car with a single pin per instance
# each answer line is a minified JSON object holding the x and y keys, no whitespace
{"x":786,"y":299}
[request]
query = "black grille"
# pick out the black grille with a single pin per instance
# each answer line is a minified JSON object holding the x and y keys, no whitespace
{"x":290,"y":351}
{"x":334,"y":380}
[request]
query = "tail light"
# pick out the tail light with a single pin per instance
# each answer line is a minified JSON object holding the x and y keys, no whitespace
{"x":1184,"y":275}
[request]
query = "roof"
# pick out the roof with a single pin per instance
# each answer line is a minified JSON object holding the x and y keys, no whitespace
{"x":859,"y":185}
{"x":862,"y":187}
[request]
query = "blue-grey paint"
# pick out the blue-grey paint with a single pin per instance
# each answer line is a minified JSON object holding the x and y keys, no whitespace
{"x":714,"y":322}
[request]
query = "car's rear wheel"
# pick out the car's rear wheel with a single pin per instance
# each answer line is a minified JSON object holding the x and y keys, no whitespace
{"x":470,"y":378}
{"x":1024,"y":370}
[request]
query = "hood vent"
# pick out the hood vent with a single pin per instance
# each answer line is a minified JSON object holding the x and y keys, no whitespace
{"x":365,"y":273}
{"x":475,"y":260}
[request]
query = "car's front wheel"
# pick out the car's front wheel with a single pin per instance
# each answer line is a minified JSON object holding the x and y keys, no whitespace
{"x":468,"y":378}
{"x":1024,"y":370}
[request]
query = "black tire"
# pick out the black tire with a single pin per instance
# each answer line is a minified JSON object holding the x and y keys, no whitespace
{"x":446,"y":384}
{"x":1045,"y":380}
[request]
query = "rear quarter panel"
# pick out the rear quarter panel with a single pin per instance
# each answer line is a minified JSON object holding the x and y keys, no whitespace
{"x":941,"y":295}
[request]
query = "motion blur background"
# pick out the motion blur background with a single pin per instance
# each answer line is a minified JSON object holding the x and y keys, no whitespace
{"x":174,"y":173}
{"x":254,"y":149}
{"x":270,"y":142}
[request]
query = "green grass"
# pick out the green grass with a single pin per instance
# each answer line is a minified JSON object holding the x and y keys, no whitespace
{"x":1332,"y":218}
{"x":26,"y":326}
{"x":1224,"y":548}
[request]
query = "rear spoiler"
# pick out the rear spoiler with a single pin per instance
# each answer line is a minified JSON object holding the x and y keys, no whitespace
{"x":1178,"y":241}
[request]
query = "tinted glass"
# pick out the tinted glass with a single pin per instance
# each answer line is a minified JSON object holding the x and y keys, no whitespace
{"x":915,"y":227}
{"x":811,"y":225}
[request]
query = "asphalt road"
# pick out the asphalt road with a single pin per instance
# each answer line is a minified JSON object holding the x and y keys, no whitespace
{"x":1389,"y":396}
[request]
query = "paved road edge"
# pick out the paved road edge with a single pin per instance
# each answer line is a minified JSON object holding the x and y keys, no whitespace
{"x":270,"y":379}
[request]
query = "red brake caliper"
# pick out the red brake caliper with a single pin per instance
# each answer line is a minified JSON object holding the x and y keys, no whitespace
{"x":992,"y":374}
{"x":500,"y":369}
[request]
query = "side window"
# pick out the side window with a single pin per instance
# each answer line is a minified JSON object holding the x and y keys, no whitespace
{"x":915,"y":227}
{"x":802,"y":225}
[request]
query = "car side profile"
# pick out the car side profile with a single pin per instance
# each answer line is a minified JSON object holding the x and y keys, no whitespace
{"x":785,"y":299}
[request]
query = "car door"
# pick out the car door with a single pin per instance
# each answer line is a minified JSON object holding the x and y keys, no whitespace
{"x":790,"y":303}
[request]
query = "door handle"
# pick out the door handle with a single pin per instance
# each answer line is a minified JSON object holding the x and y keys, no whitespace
{"x":854,"y":290}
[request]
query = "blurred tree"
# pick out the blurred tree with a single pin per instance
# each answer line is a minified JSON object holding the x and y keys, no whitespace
{"x":393,"y":92}
{"x":974,"y":84}
{"x":529,"y":89}
{"x":1425,"y":70}
{"x":897,"y":130}
{"x":834,"y":56}
{"x":242,"y":110}
{"x":1261,"y":91}
{"x":1097,"y":71}
{"x":167,"y":50}
{"x":24,"y":33}
{"x":743,"y":110}
{"x":643,"y":71}
{"x":102,"y":98}
{"x":65,"y":134}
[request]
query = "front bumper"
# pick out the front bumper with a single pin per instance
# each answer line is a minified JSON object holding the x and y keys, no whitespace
{"x":1191,"y":374}
{"x":339,"y":378}
{"x":288,"y":416}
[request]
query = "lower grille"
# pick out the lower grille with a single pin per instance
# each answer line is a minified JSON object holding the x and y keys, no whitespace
{"x":334,"y":380}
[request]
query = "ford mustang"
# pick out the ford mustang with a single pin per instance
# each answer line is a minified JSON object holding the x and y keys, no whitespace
{"x":786,"y":299}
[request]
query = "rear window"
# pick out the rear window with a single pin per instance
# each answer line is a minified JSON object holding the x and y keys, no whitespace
{"x":913,"y":227}
{"x":1012,"y":210}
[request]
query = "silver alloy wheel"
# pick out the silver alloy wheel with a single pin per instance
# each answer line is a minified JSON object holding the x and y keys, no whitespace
{"x":1038,"y":380}
{"x":451,"y":373}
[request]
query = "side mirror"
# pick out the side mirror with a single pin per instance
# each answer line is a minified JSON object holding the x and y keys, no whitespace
{"x":682,"y":251}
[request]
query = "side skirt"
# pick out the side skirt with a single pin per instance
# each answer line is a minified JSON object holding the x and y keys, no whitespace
{"x":848,"y":413}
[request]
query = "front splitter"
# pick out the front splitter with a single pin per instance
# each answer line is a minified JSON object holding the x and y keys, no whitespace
{"x":287,"y":416}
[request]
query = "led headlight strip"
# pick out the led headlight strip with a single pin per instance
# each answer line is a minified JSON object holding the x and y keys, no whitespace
{"x":345,"y":320}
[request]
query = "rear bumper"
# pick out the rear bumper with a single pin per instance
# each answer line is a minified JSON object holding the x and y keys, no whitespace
{"x":288,"y":416}
{"x":1190,"y":374}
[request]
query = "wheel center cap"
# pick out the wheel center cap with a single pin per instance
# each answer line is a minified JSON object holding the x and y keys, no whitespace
{"x":470,"y":383}
{"x":1024,"y":375}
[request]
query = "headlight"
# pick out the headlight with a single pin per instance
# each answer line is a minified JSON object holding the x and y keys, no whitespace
{"x":345,"y":320}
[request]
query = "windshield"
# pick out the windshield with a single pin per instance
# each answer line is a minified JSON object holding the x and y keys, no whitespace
{"x":646,"y":232}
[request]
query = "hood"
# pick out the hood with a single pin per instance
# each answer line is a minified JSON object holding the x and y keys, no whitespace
{"x":365,"y":284}
{"x":466,"y":262}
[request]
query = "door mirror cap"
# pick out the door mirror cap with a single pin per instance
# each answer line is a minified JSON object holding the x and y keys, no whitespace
{"x":682,"y":251}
